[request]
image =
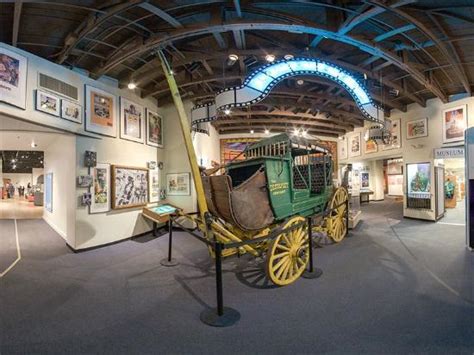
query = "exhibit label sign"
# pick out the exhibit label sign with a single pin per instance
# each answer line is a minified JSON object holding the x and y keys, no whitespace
{"x":449,"y":153}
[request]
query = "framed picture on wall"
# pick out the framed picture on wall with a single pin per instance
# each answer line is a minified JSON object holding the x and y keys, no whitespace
{"x":101,"y":112}
{"x":454,"y":124}
{"x":342,"y":147}
{"x":100,"y":194}
{"x":396,"y":132}
{"x":48,"y":192}
{"x":132,"y":119}
{"x":47,"y":103}
{"x":154,"y":129}
{"x":178,"y":184}
{"x":417,"y":128}
{"x":71,"y":111}
{"x":364,"y":180}
{"x":13,"y":72}
{"x":154,"y":185}
{"x":129,"y":187}
{"x":354,"y":145}
{"x":371,"y":147}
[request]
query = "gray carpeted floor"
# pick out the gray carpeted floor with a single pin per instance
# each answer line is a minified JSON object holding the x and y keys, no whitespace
{"x":394,"y":287}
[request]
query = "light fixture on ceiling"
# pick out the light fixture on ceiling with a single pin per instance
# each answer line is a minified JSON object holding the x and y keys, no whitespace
{"x":232,"y":59}
{"x":171,"y":72}
{"x":304,"y":132}
{"x":289,"y":56}
{"x":33,"y":144}
{"x":13,"y":160}
{"x":270,"y":58}
{"x":227,"y":111}
{"x":131,"y":85}
{"x":296,"y":131}
{"x":251,"y":131}
{"x":14,"y":166}
{"x":300,"y":82}
{"x":365,"y":76}
{"x":267,"y":131}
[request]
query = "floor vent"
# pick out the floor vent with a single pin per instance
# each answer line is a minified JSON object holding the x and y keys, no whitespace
{"x":58,"y":86}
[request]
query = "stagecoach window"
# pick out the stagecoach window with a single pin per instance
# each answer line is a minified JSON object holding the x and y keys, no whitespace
{"x":243,"y":173}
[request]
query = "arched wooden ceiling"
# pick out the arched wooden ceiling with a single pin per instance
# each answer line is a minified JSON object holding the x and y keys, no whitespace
{"x":407,"y":51}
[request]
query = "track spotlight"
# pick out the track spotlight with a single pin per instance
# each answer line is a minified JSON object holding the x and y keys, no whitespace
{"x":289,"y":56}
{"x":251,"y":131}
{"x":267,"y":131}
{"x":131,"y":85}
{"x":232,"y":59}
{"x":300,"y":82}
{"x":270,"y":58}
{"x":227,"y":111}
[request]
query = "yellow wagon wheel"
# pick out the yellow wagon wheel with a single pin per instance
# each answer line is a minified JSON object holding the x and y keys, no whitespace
{"x":287,"y":255}
{"x":336,"y":222}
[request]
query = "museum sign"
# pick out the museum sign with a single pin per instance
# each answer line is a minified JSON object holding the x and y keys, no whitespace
{"x":449,"y":153}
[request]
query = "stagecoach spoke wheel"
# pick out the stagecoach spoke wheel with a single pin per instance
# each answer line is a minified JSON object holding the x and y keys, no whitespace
{"x":287,"y":255}
{"x":336,"y":222}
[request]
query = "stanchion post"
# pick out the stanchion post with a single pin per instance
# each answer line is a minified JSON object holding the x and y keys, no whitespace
{"x":311,"y":272}
{"x":169,"y":261}
{"x":220,"y":295}
{"x":347,"y":217}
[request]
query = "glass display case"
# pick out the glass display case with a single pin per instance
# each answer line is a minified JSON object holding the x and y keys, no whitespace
{"x":418,"y":185}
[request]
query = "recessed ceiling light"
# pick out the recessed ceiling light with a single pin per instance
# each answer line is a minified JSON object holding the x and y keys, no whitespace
{"x":132,"y":85}
{"x":227,"y":111}
{"x":171,"y":72}
{"x":289,"y":56}
{"x":267,"y":131}
{"x":233,"y":57}
{"x":251,"y":131}
{"x":304,"y":133}
{"x":270,"y":58}
{"x":300,"y":81}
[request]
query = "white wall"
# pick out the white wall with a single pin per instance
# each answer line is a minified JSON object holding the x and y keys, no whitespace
{"x":37,"y":172}
{"x":59,"y":160}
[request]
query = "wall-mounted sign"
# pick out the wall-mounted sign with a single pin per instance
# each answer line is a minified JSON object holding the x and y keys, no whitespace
{"x":449,"y":153}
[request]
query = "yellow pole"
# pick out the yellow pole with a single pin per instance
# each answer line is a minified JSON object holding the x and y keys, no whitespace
{"x":186,"y":129}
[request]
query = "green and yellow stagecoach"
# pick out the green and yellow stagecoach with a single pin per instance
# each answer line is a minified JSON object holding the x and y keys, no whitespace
{"x":265,"y":203}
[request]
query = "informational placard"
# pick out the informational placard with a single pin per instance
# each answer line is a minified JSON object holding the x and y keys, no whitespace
{"x":449,"y":153}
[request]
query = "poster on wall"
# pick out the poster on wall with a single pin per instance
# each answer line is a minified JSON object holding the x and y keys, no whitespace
{"x":232,"y":148}
{"x":129,"y":187}
{"x":354,"y":145}
{"x":417,"y":128}
{"x":132,"y":118}
{"x":419,"y":180}
{"x":154,"y":129}
{"x":395,"y":167}
{"x":48,"y":192}
{"x":101,"y":112}
{"x":364,"y":180}
{"x":454,"y":124}
{"x":13,"y":71}
{"x":71,"y":111}
{"x":396,"y":133}
{"x":154,"y":185}
{"x":178,"y":184}
{"x":47,"y":103}
{"x":395,"y":185}
{"x":370,"y":147}
{"x":342,"y":147}
{"x":100,"y":194}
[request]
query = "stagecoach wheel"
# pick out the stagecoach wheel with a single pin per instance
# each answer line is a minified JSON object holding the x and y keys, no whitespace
{"x":287,"y":254}
{"x":336,"y":222}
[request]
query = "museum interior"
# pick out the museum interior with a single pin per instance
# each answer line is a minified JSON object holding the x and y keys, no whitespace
{"x":183,"y":177}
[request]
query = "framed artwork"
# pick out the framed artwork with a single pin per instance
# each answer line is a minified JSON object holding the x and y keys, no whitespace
{"x":100,"y":194}
{"x":47,"y":103}
{"x":178,"y":184}
{"x":417,"y":128}
{"x":129,"y":187}
{"x":231,"y":148}
{"x":84,"y":180}
{"x":371,"y":147}
{"x":364,"y":180}
{"x":395,"y":167}
{"x":86,"y":199}
{"x":90,"y":158}
{"x":419,"y":180}
{"x":454,"y":124}
{"x":13,"y":72}
{"x":132,"y":119}
{"x":154,"y":129}
{"x":396,"y":132}
{"x":48,"y":192}
{"x":342,"y":145}
{"x":154,"y":185}
{"x":354,"y":145}
{"x":101,"y":112}
{"x":71,"y":111}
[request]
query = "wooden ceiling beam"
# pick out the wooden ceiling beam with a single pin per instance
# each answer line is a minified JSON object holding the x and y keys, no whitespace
{"x":245,"y":129}
{"x":271,"y":121}
{"x":16,"y":21}
{"x":161,"y":14}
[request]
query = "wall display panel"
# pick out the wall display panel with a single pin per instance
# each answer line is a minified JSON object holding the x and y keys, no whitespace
{"x":154,"y":187}
{"x":100,"y":199}
{"x":371,"y":146}
{"x":354,"y":145}
{"x":364,"y":180}
{"x":101,"y":112}
{"x":418,"y":185}
{"x":129,"y":187}
{"x":47,"y":103}
{"x":132,"y":121}
{"x":417,"y":128}
{"x":154,"y":129}
{"x":342,"y":148}
{"x":395,"y":185}
{"x":13,"y":73}
{"x":454,"y":124}
{"x":232,"y":148}
{"x":396,"y":133}
{"x":71,"y":111}
{"x":178,"y":184}
{"x":48,"y":192}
